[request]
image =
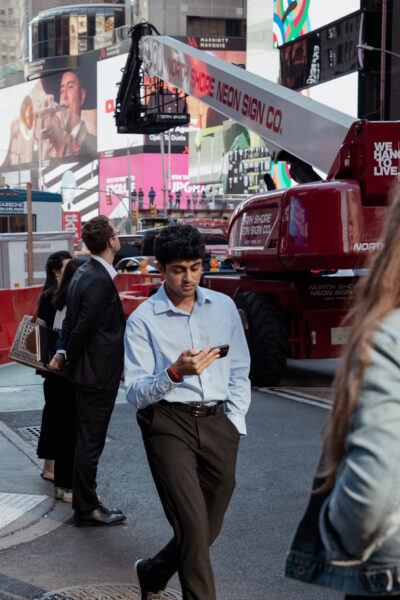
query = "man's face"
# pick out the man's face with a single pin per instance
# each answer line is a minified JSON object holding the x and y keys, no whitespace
{"x":115,"y":244}
{"x":182,"y":277}
{"x":72,"y":96}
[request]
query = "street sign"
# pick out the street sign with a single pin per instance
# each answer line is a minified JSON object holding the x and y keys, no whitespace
{"x":71,"y":221}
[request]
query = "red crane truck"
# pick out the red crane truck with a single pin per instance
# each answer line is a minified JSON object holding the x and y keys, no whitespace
{"x":287,"y":245}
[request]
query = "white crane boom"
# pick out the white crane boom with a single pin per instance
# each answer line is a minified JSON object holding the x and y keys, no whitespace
{"x":287,"y":120}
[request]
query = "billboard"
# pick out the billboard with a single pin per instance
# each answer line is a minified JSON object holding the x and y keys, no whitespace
{"x":293,"y":19}
{"x":49,"y":119}
{"x":145,"y":171}
{"x":108,"y":76}
{"x":323,"y":54}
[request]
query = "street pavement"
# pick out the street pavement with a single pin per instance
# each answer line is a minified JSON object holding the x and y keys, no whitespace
{"x":41,"y":551}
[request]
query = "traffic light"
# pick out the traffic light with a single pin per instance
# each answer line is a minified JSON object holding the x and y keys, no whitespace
{"x":153,"y":211}
{"x":136,"y":213}
{"x":109,"y":199}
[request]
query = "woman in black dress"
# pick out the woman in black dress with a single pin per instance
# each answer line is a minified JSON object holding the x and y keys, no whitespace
{"x":55,"y":266}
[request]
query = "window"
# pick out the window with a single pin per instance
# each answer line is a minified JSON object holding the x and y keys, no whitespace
{"x":16,"y":223}
{"x":202,"y":27}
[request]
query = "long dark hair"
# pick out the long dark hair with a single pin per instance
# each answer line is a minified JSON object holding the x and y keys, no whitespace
{"x":378,"y":294}
{"x":60,"y":295}
{"x":54,"y":263}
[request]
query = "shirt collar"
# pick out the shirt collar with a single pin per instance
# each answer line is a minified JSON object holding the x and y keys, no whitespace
{"x":109,"y":268}
{"x":163,"y":304}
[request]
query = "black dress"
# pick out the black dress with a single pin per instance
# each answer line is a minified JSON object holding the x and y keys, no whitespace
{"x":58,"y":433}
{"x":46,"y":444}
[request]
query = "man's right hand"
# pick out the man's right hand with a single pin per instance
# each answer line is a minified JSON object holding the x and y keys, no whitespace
{"x":193,"y":362}
{"x":57,"y":362}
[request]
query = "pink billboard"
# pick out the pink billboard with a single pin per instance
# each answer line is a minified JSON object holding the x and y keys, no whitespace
{"x":145,"y":172}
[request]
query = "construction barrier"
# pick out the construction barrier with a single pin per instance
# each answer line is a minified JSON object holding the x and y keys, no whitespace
{"x":133,"y":289}
{"x":14,"y":304}
{"x":130,"y":301}
{"x":124,"y":282}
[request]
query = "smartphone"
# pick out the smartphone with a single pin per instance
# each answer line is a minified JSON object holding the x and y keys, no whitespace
{"x":223,"y":350}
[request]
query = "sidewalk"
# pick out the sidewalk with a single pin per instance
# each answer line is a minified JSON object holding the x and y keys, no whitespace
{"x":27,"y":505}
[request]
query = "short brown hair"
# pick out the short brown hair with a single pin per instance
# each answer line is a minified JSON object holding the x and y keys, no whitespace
{"x":96,"y":233}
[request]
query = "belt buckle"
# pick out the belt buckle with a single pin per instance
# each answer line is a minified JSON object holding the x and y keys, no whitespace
{"x":197,"y":410}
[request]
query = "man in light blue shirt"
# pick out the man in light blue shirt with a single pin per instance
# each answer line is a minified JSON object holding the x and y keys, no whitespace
{"x":191,"y":408}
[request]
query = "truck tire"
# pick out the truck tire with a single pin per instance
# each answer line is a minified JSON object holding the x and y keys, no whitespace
{"x":266,"y":327}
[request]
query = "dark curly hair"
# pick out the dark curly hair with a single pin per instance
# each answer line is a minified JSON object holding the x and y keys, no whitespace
{"x":96,"y":233}
{"x":178,"y":242}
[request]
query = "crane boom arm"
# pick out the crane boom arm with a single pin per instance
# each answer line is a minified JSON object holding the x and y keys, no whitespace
{"x":288,"y":121}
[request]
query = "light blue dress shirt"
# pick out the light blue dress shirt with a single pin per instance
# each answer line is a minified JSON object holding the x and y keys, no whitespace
{"x":158,"y":332}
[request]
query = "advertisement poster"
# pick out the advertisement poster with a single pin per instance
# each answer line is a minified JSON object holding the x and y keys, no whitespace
{"x":145,"y":172}
{"x":49,"y":119}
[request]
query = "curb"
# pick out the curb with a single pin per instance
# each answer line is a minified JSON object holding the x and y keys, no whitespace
{"x":40,"y":520}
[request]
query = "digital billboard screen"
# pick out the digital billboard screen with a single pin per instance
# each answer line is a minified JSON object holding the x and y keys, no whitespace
{"x":49,"y":119}
{"x":323,"y":54}
{"x":145,"y":171}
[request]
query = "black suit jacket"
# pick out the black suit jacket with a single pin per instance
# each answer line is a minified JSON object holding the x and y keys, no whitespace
{"x":93,"y":330}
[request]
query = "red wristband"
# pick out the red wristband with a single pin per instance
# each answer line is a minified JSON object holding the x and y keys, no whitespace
{"x":175,"y":374}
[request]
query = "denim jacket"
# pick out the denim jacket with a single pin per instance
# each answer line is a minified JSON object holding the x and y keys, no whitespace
{"x":349,"y":537}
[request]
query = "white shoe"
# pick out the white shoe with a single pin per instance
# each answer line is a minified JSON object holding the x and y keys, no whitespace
{"x":67,"y":495}
{"x":63,"y":494}
{"x":59,"y":493}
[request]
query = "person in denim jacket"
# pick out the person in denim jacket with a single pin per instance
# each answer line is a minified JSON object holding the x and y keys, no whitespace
{"x":349,"y":537}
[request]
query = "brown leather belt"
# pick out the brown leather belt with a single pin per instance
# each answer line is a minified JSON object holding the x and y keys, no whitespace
{"x":196,"y":410}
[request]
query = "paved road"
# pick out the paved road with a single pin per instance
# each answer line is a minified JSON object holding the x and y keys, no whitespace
{"x":275,"y":468}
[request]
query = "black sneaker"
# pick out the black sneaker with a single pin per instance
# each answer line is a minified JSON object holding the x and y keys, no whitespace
{"x":146,"y":594}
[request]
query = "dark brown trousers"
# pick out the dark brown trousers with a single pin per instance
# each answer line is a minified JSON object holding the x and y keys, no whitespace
{"x":94,"y":409}
{"x":193,"y":461}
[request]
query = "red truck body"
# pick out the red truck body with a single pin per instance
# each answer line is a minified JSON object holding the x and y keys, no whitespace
{"x":287,"y":244}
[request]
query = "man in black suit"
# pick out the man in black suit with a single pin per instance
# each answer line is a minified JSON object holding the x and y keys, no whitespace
{"x":92,"y":338}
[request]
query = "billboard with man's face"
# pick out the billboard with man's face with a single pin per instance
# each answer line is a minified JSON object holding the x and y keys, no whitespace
{"x":49,"y":119}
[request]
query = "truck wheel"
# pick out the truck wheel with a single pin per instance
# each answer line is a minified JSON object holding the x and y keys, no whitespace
{"x":267,"y":332}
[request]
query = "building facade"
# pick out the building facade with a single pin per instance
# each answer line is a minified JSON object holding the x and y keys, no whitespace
{"x":10,"y":31}
{"x":202,"y":18}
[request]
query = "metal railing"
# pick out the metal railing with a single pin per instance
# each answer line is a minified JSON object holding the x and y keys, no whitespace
{"x":95,"y":42}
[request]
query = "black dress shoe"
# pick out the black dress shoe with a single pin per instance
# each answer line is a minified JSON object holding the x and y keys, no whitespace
{"x":98,"y":516}
{"x":146,"y":592}
{"x":113,"y":510}
{"x":116,"y":511}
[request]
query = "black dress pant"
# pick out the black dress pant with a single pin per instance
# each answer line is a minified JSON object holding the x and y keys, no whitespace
{"x":65,"y":433}
{"x":94,"y":408}
{"x":193,"y":461}
{"x":48,"y":433}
